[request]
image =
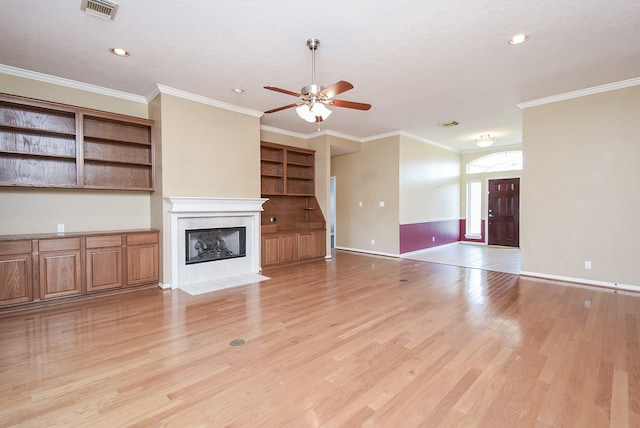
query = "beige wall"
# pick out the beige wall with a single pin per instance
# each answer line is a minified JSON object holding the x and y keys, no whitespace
{"x":33,"y":210}
{"x":579,"y":189}
{"x":368,"y":176}
{"x":429,"y":182}
{"x":208,"y":151}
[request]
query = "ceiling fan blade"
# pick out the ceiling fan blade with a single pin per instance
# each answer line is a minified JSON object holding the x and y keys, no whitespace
{"x":350,"y":104}
{"x":281,"y":108}
{"x":284,"y":91}
{"x":336,"y":89}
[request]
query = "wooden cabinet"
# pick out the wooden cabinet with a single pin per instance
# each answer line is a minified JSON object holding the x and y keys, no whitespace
{"x":103,"y":262}
{"x":283,"y":248}
{"x":43,"y":267}
{"x":142,"y":258}
{"x":311,"y":245}
{"x":15,"y":273}
{"x":46,"y":144}
{"x":286,"y":170}
{"x":60,"y":267}
{"x":278,"y":249}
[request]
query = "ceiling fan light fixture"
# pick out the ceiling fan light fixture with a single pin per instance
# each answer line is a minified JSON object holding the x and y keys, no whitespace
{"x":311,"y":113}
{"x":485,"y":140}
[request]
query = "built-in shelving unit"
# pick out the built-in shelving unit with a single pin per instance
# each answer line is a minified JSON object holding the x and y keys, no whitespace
{"x":293,"y":227}
{"x":45,"y":144}
{"x":286,"y":170}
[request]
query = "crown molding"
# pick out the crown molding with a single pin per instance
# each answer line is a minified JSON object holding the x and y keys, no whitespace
{"x":284,"y":132}
{"x":408,"y":135}
{"x":47,"y":78}
{"x":581,"y":93}
{"x":309,"y":136}
{"x":203,"y":100}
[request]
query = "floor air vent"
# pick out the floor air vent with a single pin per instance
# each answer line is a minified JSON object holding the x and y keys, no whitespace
{"x":101,"y":8}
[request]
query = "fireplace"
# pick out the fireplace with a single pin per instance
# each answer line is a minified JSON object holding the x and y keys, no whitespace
{"x":229,"y":230}
{"x":212,"y":244}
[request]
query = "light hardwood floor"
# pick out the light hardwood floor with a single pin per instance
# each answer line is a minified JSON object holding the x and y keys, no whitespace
{"x":356,"y":341}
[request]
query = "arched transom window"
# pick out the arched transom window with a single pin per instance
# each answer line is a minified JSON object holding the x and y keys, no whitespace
{"x":495,"y":162}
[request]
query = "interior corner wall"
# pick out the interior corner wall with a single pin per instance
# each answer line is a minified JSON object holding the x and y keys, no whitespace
{"x":579,"y":196}
{"x":322,"y":182}
{"x":26,"y":210}
{"x":370,"y":176}
{"x":429,"y":195}
{"x":429,"y":182}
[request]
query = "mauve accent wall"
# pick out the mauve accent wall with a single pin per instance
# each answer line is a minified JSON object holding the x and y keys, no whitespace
{"x":418,"y":236}
{"x":463,"y":229}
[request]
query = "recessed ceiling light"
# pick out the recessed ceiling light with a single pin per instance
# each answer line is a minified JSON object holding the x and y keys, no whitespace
{"x":238,"y":90}
{"x":519,"y":38}
{"x":119,"y":51}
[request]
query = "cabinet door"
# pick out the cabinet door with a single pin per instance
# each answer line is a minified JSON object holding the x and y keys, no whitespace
{"x":60,"y":271}
{"x":104,"y":268}
{"x":270,"y":250}
{"x":305,"y":246}
{"x":288,"y":248}
{"x":15,"y":279}
{"x":318,"y":244}
{"x":142,"y":264}
{"x":103,"y":262}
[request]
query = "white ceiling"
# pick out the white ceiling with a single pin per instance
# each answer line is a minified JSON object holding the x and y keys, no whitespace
{"x":418,"y":62}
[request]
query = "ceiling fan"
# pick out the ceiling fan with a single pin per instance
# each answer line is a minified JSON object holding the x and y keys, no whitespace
{"x":314,"y":98}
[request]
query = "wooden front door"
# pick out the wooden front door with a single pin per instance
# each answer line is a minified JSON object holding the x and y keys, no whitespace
{"x":504,"y":212}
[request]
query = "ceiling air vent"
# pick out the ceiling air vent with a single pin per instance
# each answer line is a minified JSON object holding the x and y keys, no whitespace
{"x":101,"y":8}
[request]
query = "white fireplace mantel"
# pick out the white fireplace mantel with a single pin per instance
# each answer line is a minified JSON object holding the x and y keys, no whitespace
{"x":183,"y":209}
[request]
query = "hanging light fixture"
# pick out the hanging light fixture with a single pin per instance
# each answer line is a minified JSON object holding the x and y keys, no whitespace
{"x":485,"y":140}
{"x":312,"y":112}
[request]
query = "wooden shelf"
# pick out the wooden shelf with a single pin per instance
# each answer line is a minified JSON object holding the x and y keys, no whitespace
{"x":286,"y":170}
{"x":45,"y":144}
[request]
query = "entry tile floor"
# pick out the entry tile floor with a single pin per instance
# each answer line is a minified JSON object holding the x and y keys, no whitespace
{"x":499,"y":259}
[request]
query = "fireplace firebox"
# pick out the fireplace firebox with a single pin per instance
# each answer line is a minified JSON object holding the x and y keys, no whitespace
{"x":208,"y":245}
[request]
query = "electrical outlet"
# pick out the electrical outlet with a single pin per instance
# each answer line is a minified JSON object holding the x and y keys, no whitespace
{"x":381,"y":204}
{"x":61,"y":228}
{"x":373,"y":242}
{"x":587,"y":264}
{"x":433,"y":239}
{"x":360,"y":204}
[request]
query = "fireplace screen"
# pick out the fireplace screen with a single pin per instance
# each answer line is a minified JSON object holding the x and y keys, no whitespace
{"x":206,"y":245}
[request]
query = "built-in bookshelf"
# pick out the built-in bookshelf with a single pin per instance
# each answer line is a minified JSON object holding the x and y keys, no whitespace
{"x":45,"y":144}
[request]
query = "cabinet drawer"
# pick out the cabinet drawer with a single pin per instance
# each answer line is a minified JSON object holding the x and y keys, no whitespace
{"x":142,"y":238}
{"x":15,"y":247}
{"x":59,"y":244}
{"x":104,"y":241}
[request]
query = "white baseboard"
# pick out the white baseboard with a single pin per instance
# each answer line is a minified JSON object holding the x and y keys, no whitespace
{"x":604,"y":284}
{"x":375,"y":253}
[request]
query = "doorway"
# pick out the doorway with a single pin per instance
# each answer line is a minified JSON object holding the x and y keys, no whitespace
{"x":504,"y":212}
{"x":332,"y":211}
